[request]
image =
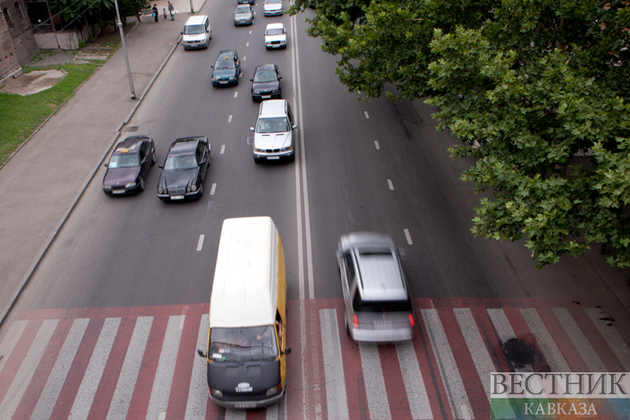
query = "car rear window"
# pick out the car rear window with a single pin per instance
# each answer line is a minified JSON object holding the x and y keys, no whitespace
{"x":360,"y":305}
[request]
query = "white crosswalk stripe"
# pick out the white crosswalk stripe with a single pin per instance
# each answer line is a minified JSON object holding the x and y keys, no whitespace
{"x":87,"y":391}
{"x":130,"y":368}
{"x":24,"y":375}
{"x":57,"y":377}
{"x":457,"y":397}
{"x":434,"y":376}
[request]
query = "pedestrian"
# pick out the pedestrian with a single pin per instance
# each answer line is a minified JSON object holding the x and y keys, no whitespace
{"x":171,"y":10}
{"x":155,"y":11}
{"x":164,"y":11}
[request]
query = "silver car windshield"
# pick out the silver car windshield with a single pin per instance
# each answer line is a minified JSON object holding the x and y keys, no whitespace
{"x":242,"y":9}
{"x":123,"y":161}
{"x":273,"y":125}
{"x":181,"y":162}
{"x":243,"y":344}
{"x":274,"y":32}
{"x":193,"y":29}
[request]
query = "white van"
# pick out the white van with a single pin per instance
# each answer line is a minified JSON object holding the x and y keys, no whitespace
{"x":197,"y":32}
{"x":246,"y":355}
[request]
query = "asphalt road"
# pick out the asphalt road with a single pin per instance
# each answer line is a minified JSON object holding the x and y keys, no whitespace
{"x":375,"y":165}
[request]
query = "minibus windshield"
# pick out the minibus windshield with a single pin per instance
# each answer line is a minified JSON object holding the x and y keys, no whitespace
{"x":243,"y":344}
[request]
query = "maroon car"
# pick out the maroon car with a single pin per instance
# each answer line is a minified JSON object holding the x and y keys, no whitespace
{"x":129,"y":165}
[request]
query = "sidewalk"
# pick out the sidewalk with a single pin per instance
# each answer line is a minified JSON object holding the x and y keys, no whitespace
{"x":40,"y":185}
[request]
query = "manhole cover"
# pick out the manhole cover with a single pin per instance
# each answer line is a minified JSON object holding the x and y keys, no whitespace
{"x":518,"y":352}
{"x":132,"y":128}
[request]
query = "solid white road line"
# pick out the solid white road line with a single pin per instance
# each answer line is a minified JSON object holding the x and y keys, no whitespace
{"x":198,"y":391}
{"x":583,"y":346}
{"x":378,"y":404}
{"x":222,"y":149}
{"x":391,"y":184}
{"x":59,"y":373}
{"x":408,"y":236}
{"x":367,"y":116}
{"x":414,"y":384}
{"x":546,"y":343}
{"x":200,"y":242}
{"x":230,"y":117}
{"x":10,"y":340}
{"x":131,"y":366}
{"x":336,"y":396}
{"x":166,"y":368}
{"x":612,"y":337}
{"x":302,"y":190}
{"x":236,"y":94}
{"x":27,"y":369}
{"x":94,"y":372}
{"x":213,"y":189}
{"x":457,"y":397}
{"x":378,"y":147}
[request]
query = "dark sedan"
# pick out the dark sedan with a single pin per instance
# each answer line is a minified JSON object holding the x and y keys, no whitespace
{"x":266,"y":83}
{"x":226,"y":69}
{"x":129,"y":165}
{"x":184,"y":169}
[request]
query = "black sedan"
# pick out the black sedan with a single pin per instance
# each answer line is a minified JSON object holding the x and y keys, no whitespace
{"x":226,"y":69}
{"x":129,"y":165}
{"x":266,"y":83}
{"x":184,"y":169}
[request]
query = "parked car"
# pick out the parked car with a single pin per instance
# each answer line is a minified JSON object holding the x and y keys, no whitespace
{"x":197,"y":32}
{"x":226,"y":69}
{"x":273,"y":134}
{"x":273,"y":8}
{"x":184,"y":169}
{"x":376,"y":295}
{"x":275,"y":36}
{"x":243,"y":15}
{"x":129,"y":166}
{"x":266,"y":82}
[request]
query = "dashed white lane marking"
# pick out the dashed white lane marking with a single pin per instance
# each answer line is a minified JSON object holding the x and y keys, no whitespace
{"x":200,"y":242}
{"x":250,"y":32}
{"x":391,"y":184}
{"x":213,"y":189}
{"x":408,"y":236}
{"x":245,"y":58}
{"x":378,"y":147}
{"x":230,"y":117}
{"x":222,"y":148}
{"x":367,"y":116}
{"x":247,"y":45}
{"x":236,"y":94}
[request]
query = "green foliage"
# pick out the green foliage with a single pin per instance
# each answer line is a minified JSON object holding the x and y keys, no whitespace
{"x":536,"y":91}
{"x":94,"y":11}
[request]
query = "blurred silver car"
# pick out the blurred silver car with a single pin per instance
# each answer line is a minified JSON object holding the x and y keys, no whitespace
{"x":273,"y":8}
{"x":375,"y":291}
{"x":243,"y":15}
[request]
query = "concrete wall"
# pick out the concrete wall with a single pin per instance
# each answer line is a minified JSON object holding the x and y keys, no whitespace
{"x":68,"y":39}
{"x":9,"y":61}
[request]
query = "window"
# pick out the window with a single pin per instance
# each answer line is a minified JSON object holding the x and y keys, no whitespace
{"x":5,"y":11}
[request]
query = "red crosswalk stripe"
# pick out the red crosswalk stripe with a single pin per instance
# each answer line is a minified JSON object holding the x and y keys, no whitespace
{"x":328,"y":373}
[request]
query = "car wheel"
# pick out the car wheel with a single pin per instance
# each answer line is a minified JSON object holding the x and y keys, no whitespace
{"x":153,"y":159}
{"x":291,"y":158}
{"x":256,"y":160}
{"x":345,"y":318}
{"x":142,"y":185}
{"x":200,"y":192}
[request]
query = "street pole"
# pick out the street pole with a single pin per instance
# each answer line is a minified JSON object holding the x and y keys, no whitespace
{"x":122,"y":38}
{"x":192,"y":8}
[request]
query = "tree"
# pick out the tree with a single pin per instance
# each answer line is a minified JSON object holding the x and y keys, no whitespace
{"x":536,"y":91}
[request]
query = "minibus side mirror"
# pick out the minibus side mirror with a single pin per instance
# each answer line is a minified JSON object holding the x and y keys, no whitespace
{"x":202,"y":354}
{"x":287,"y":350}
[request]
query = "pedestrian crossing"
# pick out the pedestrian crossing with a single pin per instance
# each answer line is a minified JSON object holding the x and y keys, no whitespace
{"x":141,"y":362}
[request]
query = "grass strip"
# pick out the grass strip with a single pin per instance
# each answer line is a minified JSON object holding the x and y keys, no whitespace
{"x":21,"y":115}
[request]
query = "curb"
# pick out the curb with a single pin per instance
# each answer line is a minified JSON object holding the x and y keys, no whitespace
{"x":29,"y":274}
